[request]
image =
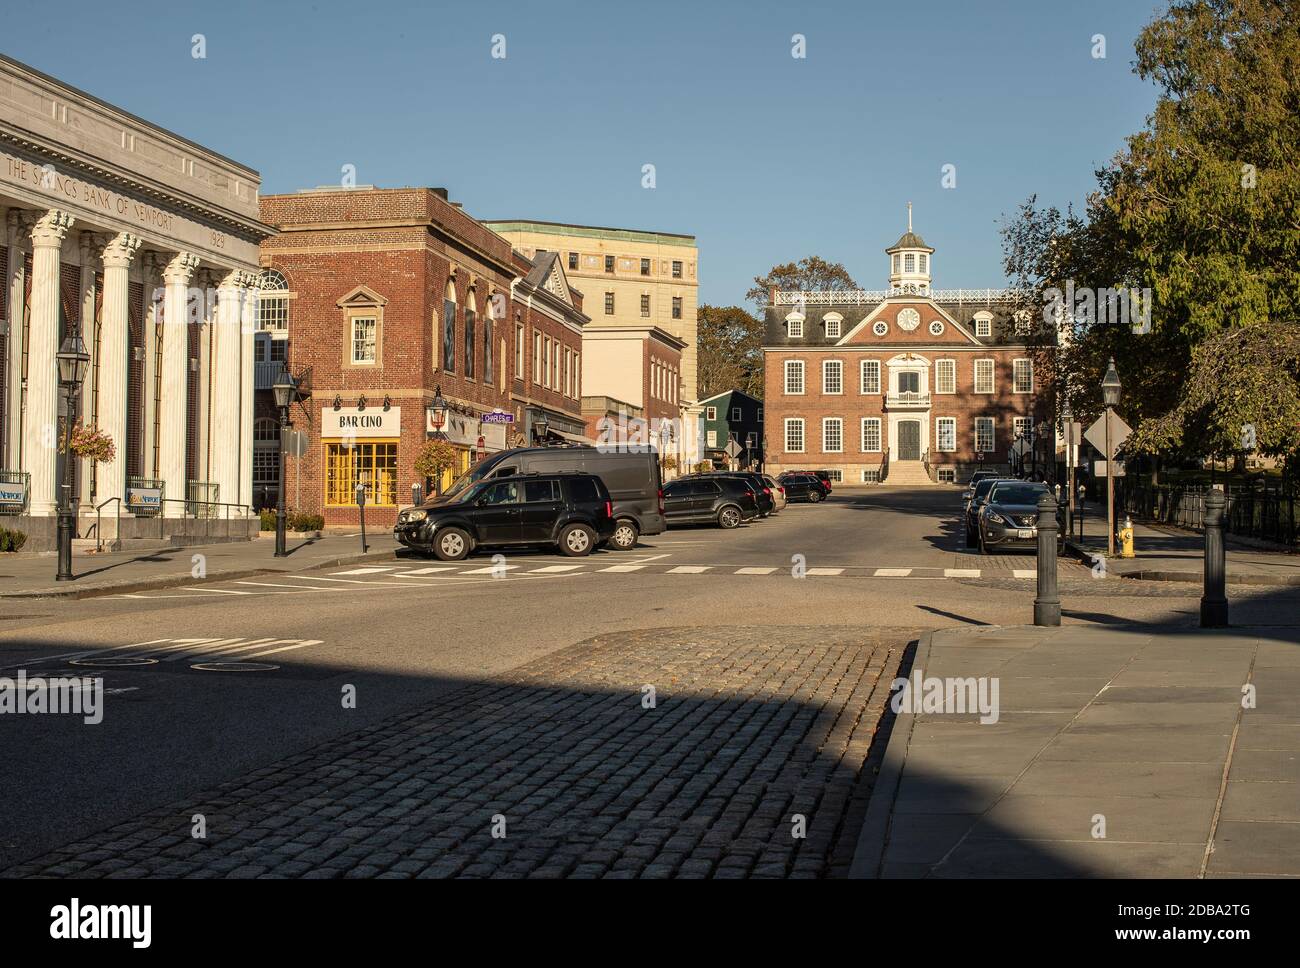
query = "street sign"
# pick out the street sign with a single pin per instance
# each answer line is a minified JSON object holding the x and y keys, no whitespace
{"x":1116,"y":468}
{"x":1073,"y":432}
{"x":733,"y":449}
{"x":498,"y":417}
{"x":295,"y":443}
{"x":1119,"y":431}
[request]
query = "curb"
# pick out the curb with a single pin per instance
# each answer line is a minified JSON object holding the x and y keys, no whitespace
{"x":171,"y":581}
{"x":870,"y":851}
{"x":1195,"y":577}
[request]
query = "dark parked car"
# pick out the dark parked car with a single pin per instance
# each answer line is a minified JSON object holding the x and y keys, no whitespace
{"x":803,"y":487}
{"x":971,"y":512}
{"x":698,"y":500}
{"x":571,"y":512}
{"x":823,"y":475}
{"x":975,"y":479}
{"x":632,"y":477}
{"x":1008,"y":517}
{"x":762,"y":490}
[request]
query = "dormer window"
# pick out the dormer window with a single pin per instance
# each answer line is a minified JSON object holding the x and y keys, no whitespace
{"x":833,"y":322}
{"x":794,"y":326}
{"x":984,"y":324}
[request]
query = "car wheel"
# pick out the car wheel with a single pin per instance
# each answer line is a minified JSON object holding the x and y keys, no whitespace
{"x":577,"y":540}
{"x":814,"y":496}
{"x":625,"y":536}
{"x":451,"y":544}
{"x":729,"y":517}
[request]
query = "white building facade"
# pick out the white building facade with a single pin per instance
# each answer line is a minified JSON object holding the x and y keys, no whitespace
{"x":146,"y":246}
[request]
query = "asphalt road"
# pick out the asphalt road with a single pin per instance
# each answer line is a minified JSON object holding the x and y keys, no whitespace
{"x":406,"y":632}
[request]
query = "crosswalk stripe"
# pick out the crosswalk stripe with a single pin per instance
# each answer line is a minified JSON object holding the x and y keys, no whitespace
{"x":219,"y":647}
{"x":220,"y":591}
{"x":285,"y":648}
{"x":491,"y":569}
{"x":366,"y":571}
{"x":755,"y":571}
{"x":556,"y":568}
{"x":893,"y":572}
{"x":271,"y":584}
{"x":961,"y":573}
{"x":688,"y":569}
{"x":623,"y":568}
{"x":1024,"y":572}
{"x":824,"y":571}
{"x":423,"y":571}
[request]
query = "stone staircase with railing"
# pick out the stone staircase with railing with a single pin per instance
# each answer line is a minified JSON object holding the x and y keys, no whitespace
{"x":907,"y":473}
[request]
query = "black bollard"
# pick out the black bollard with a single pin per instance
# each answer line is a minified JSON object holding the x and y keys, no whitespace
{"x":1214,"y":601}
{"x":1047,"y":605}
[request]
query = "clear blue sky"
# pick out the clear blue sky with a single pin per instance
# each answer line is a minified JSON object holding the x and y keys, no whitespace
{"x":763,"y":157}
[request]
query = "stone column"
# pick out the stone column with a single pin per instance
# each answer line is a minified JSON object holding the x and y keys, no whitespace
{"x":150,"y":270}
{"x":172,"y":399}
{"x":227,"y":386}
{"x":13,"y":279}
{"x":114,"y":363}
{"x":247,"y":385}
{"x":40,"y":429}
{"x":88,"y":400}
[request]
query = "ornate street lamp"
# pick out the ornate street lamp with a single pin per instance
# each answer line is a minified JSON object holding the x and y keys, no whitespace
{"x":283,"y":390}
{"x":437,"y":414}
{"x":73,"y":362}
{"x":541,"y":428}
{"x":1110,"y":391}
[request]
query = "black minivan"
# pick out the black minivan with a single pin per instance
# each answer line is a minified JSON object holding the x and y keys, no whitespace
{"x":573,"y":512}
{"x":631,"y":476}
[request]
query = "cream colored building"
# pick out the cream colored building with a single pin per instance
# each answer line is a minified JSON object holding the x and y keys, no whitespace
{"x":146,"y":245}
{"x":627,"y":278}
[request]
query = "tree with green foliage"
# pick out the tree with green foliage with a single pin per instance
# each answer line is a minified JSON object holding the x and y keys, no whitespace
{"x":730,"y":355}
{"x":806,"y":275}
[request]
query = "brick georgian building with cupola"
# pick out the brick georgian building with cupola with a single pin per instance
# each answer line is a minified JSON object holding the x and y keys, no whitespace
{"x":908,"y":385}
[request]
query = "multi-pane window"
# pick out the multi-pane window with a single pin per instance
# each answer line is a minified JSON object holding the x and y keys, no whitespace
{"x":983,"y":376}
{"x":794,"y":376}
{"x":895,"y":264}
{"x":645,"y":267}
{"x":983,"y":326}
{"x":272,"y":310}
{"x":568,"y":372}
{"x":710,"y":413}
{"x":677,"y":270}
{"x":1022,"y":376}
{"x":519,"y":351}
{"x":945,"y":376}
{"x":833,"y":327}
{"x":923,"y":258}
{"x":909,"y":263}
{"x":871,"y":435}
{"x":870,"y":376}
{"x":449,"y":333}
{"x":555,"y":367}
{"x":710,"y":438}
{"x":677,"y":307}
{"x":609,"y":304}
{"x":372,"y":464}
{"x":266,"y":468}
{"x":470,"y":316}
{"x":537,"y":358}
{"x":735,"y":414}
{"x":365,"y":330}
{"x":1021,"y":426}
{"x":573,"y":260}
{"x":832,"y":435}
{"x":946,"y":434}
{"x":832,"y":376}
{"x":794,"y":435}
{"x":983,"y":434}
{"x":609,"y":263}
{"x":645,"y":306}
{"x":794,"y":327}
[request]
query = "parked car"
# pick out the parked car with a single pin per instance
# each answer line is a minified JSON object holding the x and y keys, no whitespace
{"x":762,"y":490}
{"x":975,"y":479}
{"x":1009,"y":515}
{"x":728,"y":501}
{"x":803,"y":487}
{"x":632,"y":478}
{"x":970,"y":513}
{"x":778,"y":491}
{"x":572,"y":512}
{"x":823,"y":475}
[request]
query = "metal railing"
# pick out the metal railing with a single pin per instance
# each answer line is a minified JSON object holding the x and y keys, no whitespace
{"x":142,"y":510}
{"x":858,"y":297}
{"x":99,"y":524}
{"x":907,"y":398}
{"x":201,"y":494}
{"x":1250,"y":514}
{"x":16,"y":477}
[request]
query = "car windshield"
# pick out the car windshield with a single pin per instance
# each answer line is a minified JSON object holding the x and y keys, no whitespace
{"x":1017,"y":493}
{"x":468,"y":479}
{"x":982,"y":488}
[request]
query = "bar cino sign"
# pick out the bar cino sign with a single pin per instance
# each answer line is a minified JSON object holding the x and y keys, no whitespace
{"x":354,"y":423}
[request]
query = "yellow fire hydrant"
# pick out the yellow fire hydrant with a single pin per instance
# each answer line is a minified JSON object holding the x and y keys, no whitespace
{"x":1126,"y":539}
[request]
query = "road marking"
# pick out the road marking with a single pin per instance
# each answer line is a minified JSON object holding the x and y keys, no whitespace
{"x":490,"y":570}
{"x":961,"y":573}
{"x":356,"y":581}
{"x":1024,"y":573}
{"x":424,"y":571}
{"x":824,"y":571}
{"x":365,"y":571}
{"x":623,"y":568}
{"x":271,"y":584}
{"x":892,"y":572}
{"x":222,"y":591}
{"x":688,"y":569}
{"x":755,"y":571}
{"x":645,"y":558}
{"x":550,"y":568}
{"x":301,"y":644}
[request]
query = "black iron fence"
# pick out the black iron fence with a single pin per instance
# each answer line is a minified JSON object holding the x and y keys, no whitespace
{"x":1266,"y":516}
{"x":14,"y":498}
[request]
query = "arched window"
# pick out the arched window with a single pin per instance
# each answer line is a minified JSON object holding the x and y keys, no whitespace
{"x":266,"y":431}
{"x":471,"y":312}
{"x":273,"y":309}
{"x":449,"y":327}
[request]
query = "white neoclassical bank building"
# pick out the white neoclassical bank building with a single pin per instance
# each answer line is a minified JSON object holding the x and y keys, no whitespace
{"x":146,"y":245}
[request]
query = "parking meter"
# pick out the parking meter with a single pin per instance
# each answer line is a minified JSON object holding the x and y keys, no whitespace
{"x":361,"y":506}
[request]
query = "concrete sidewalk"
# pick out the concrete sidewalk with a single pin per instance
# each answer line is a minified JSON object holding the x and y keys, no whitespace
{"x":1118,"y":752}
{"x":32,"y":576}
{"x":1172,"y":554}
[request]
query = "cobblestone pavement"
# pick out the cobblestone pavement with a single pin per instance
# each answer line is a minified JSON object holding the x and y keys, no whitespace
{"x":750,"y":727}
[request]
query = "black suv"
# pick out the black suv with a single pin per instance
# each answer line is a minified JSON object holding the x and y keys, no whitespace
{"x":803,"y":487}
{"x":696,"y":500}
{"x":762,"y":492}
{"x":572,"y":512}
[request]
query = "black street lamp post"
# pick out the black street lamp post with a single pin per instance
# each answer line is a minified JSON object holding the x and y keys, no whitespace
{"x":1110,"y":390}
{"x":283,"y":390}
{"x":73,"y":361}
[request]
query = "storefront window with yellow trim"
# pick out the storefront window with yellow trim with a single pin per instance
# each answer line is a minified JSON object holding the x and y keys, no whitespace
{"x":347,"y":465}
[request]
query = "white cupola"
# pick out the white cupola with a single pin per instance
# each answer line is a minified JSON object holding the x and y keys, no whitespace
{"x":909,"y":262}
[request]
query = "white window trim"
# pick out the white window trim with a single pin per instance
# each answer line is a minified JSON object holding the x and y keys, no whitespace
{"x":803,"y":381}
{"x":373,"y":319}
{"x":794,"y":325}
{"x":938,"y":435}
{"x":880,"y":435}
{"x":803,"y":434}
{"x":710,"y":413}
{"x":826,"y":364}
{"x":1022,"y":359}
{"x":938,"y":384}
{"x":736,"y":415}
{"x":834,"y":325}
{"x":993,"y":435}
{"x":993,"y":376}
{"x":983,"y":324}
{"x":826,"y":422}
{"x":862,"y":377}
